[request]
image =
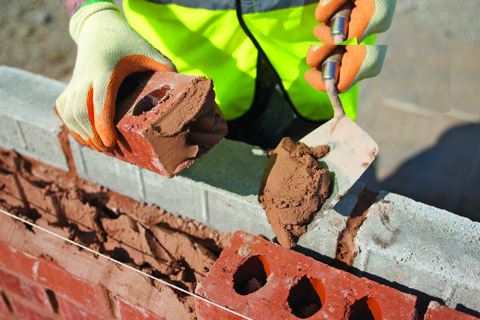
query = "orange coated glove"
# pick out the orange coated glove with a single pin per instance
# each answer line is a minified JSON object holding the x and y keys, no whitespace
{"x":359,"y":62}
{"x":108,"y":51}
{"x":367,"y":17}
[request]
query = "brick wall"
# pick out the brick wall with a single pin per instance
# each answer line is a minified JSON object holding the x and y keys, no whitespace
{"x":38,"y":288}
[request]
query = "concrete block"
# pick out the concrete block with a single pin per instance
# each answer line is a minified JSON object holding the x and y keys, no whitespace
{"x":325,"y":230}
{"x":28,"y":122}
{"x":262,"y":280}
{"x":112,"y":173}
{"x":436,"y":311}
{"x":423,"y":248}
{"x":177,"y":195}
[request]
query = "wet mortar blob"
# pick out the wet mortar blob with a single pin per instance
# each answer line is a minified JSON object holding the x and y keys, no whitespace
{"x":294,"y":186}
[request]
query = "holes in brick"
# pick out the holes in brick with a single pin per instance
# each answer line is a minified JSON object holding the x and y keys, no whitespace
{"x":306,"y":297}
{"x":365,"y":309}
{"x":251,"y":275}
{"x":151,"y":100}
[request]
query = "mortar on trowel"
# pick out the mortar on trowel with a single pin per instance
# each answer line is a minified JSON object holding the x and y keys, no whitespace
{"x":165,"y":121}
{"x":297,"y":191}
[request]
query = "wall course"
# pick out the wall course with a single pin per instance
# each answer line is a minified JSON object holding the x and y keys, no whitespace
{"x":421,"y":247}
{"x":62,"y":282}
{"x":130,"y":311}
{"x":28,"y":122}
{"x":51,"y":275}
{"x":25,"y":289}
{"x":25,"y":312}
{"x":290,"y":282}
{"x":436,"y":311}
{"x":72,"y":311}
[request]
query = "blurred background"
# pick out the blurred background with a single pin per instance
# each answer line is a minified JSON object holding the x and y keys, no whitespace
{"x":423,"y":109}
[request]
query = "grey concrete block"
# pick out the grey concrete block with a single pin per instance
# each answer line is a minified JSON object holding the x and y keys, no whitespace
{"x":28,"y":121}
{"x":112,"y":173}
{"x":177,"y":195}
{"x":423,"y":248}
{"x":325,"y":230}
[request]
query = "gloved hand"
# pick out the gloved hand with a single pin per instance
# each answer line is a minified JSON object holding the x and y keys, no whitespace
{"x":108,"y":51}
{"x":359,"y":62}
{"x":368,"y":17}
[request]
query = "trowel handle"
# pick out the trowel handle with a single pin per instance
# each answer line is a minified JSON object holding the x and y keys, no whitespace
{"x":330,"y":74}
{"x":339,"y":22}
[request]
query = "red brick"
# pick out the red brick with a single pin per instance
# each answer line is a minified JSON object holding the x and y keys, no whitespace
{"x":5,"y":317}
{"x":129,"y":311}
{"x":156,"y":102}
{"x":436,"y":311}
{"x":3,"y":304}
{"x":27,"y":313}
{"x":62,"y":282}
{"x":18,"y":261}
{"x":71,"y":311}
{"x":51,"y":275}
{"x":25,"y":289}
{"x":288,"y":272}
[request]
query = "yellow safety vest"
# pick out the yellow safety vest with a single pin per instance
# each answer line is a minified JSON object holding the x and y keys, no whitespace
{"x":221,"y":39}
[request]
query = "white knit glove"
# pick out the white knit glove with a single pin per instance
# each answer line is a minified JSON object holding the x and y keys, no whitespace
{"x":108,"y":51}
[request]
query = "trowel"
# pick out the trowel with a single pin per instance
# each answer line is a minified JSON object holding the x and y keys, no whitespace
{"x":352,"y":150}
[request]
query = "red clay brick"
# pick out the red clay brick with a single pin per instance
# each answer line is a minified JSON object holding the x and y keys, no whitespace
{"x":436,"y":311}
{"x":5,"y":317}
{"x":3,"y":304}
{"x":129,"y":311}
{"x":62,"y":282}
{"x":18,"y":261}
{"x":51,"y":275}
{"x":71,"y":311}
{"x":294,"y":283}
{"x":151,"y":106}
{"x":25,"y":289}
{"x":26,"y":313}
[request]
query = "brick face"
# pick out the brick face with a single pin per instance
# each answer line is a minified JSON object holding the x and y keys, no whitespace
{"x":26,"y":313}
{"x":3,"y":304}
{"x":71,"y":311}
{"x":25,"y":289}
{"x":51,"y":275}
{"x":436,"y":311}
{"x":4,"y":317}
{"x":129,"y":311}
{"x":62,"y":282}
{"x":260,"y":279}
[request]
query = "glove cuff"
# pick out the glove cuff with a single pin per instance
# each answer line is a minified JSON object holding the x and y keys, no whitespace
{"x":88,"y":9}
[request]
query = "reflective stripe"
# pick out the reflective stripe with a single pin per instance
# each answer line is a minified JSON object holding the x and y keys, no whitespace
{"x":257,"y":6}
{"x":200,"y":4}
{"x":248,"y":6}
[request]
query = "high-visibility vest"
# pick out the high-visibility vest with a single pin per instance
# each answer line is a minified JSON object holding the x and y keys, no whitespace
{"x":220,"y":40}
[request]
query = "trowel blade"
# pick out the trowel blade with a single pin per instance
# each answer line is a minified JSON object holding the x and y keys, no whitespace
{"x":352,"y":151}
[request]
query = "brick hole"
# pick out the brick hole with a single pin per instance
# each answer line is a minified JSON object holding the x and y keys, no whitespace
{"x":365,"y":309}
{"x":251,"y":275}
{"x":306,"y":297}
{"x":151,"y":100}
{"x":52,"y":299}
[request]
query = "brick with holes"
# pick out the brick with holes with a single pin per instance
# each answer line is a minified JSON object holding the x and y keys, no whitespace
{"x":262,"y":280}
{"x":436,"y":311}
{"x":166,"y":120}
